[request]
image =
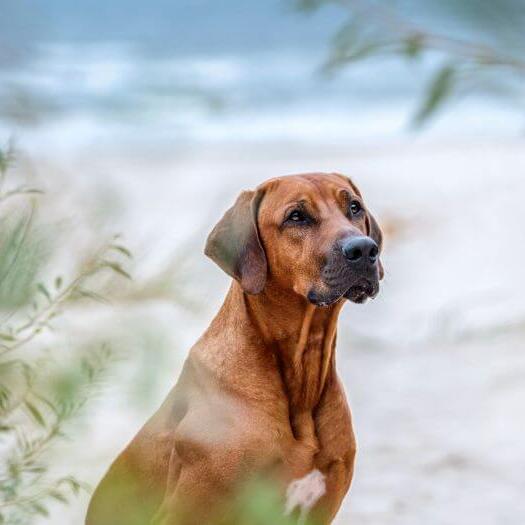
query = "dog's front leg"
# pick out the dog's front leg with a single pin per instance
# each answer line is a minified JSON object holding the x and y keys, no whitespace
{"x":337,"y":449}
{"x":133,"y":488}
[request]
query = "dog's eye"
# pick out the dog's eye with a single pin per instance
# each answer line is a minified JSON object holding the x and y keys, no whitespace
{"x":355,"y":207}
{"x":298,"y":217}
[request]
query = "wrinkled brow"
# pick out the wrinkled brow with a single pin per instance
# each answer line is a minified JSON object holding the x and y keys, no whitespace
{"x":302,"y":203}
{"x":344,"y":196}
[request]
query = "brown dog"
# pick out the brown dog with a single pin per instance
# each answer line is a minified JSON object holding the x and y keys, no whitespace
{"x":259,"y":392}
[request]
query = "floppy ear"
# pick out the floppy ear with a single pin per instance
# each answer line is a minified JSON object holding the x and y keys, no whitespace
{"x":374,"y":231}
{"x":234,"y":243}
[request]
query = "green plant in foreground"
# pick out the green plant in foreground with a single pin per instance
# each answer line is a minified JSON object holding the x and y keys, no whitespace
{"x":260,"y":503}
{"x":38,"y":396}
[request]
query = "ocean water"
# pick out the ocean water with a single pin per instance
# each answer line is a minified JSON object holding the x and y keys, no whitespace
{"x":70,"y":96}
{"x":165,"y":74}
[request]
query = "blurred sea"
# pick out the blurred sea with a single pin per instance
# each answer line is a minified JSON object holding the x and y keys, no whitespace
{"x":186,"y":71}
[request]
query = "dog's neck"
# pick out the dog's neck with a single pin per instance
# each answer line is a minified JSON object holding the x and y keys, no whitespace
{"x":302,"y":338}
{"x":288,"y":339}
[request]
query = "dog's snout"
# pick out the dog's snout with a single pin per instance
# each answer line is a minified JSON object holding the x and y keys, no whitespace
{"x":360,"y":250}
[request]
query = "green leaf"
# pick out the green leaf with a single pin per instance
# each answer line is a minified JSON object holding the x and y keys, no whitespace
{"x":91,"y":295}
{"x":6,"y":157}
{"x":55,"y":494}
{"x":413,"y":45}
{"x":38,"y":508}
{"x":353,"y":42}
{"x":122,"y":249}
{"x":22,"y":191}
{"x":5,"y":395}
{"x":117,"y":268}
{"x":439,"y":90}
{"x":43,"y":290}
{"x":37,"y":469}
{"x":6,"y":337}
{"x":37,"y":415}
{"x":73,"y":484}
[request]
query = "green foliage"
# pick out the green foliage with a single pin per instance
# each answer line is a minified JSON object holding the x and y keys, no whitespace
{"x":7,"y":157}
{"x":38,"y":396}
{"x":18,"y":249}
{"x":260,"y":503}
{"x":476,"y":45}
{"x":439,"y":89}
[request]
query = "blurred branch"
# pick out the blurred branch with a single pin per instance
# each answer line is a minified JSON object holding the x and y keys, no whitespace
{"x":7,"y":158}
{"x":376,"y":28}
{"x":414,"y":38}
{"x":33,"y":410}
{"x":41,"y":319}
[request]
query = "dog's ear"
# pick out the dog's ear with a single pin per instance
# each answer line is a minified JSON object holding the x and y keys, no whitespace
{"x":234,"y":243}
{"x":374,"y":231}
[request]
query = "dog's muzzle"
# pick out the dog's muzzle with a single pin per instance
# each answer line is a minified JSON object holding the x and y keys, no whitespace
{"x":351,"y":271}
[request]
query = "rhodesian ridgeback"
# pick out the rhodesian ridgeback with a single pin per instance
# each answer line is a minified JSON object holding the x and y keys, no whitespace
{"x":259,"y":394}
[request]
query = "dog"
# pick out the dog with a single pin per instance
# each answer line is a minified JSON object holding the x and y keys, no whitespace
{"x":259,"y":394}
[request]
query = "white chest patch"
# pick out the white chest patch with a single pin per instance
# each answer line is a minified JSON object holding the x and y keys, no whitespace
{"x":304,"y":493}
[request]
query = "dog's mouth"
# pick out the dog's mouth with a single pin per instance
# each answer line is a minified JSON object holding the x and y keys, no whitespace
{"x":361,"y":291}
{"x":358,"y":292}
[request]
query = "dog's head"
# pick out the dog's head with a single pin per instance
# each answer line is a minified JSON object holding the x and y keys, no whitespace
{"x":308,"y":233}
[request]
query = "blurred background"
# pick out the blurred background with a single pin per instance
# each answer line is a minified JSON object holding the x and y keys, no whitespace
{"x":146,"y":119}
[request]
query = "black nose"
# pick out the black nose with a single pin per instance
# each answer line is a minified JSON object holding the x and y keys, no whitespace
{"x":360,"y":249}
